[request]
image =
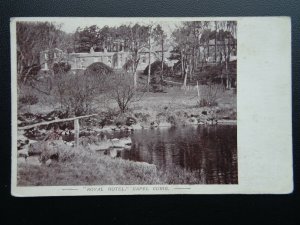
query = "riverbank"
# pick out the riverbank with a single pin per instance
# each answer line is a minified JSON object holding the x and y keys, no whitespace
{"x":84,"y":167}
{"x":176,"y":108}
{"x":173,"y":108}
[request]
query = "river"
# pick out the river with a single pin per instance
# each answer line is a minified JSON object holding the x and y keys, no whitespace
{"x":209,"y":149}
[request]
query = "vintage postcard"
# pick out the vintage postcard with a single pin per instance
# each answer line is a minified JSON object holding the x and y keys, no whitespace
{"x":124,"y":106}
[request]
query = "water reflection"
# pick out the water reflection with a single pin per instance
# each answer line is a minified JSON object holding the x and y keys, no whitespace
{"x":210,"y":149}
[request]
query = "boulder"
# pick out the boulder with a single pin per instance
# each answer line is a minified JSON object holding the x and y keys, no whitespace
{"x":36,"y":148}
{"x":23,"y":153}
{"x":22,"y":143}
{"x":46,"y":149}
{"x":48,"y":162}
{"x":121,"y":143}
{"x":130,"y":121}
{"x":165,"y":124}
{"x":153,"y":124}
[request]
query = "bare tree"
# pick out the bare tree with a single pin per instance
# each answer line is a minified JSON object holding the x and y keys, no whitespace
{"x":122,"y":91}
{"x":149,"y":60}
{"x":136,"y":37}
{"x":160,"y":38}
{"x":76,"y":93}
{"x":228,"y":37}
{"x":209,"y":94}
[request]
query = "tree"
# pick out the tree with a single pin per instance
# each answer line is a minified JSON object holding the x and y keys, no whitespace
{"x":32,"y":38}
{"x":160,"y":38}
{"x":149,"y":59}
{"x":137,"y":38}
{"x":87,"y":38}
{"x":228,"y":37}
{"x":197,"y":42}
{"x":183,"y":43}
{"x":122,"y":91}
{"x":76,"y":93}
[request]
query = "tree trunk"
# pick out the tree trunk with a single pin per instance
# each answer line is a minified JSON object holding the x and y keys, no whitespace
{"x":134,"y":80}
{"x":216,"y":42}
{"x":182,"y":66}
{"x":228,"y":84}
{"x":149,"y":66}
{"x":185,"y":77}
{"x":207,"y":51}
{"x":149,"y":73}
{"x":76,"y":130}
{"x":227,"y":77}
{"x":190,"y":69}
{"x":162,"y":60}
{"x":193,"y":63}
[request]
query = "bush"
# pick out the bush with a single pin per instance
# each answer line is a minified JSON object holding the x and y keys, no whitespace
{"x":171,"y":119}
{"x":122,"y":91}
{"x":76,"y":92}
{"x":209,"y":94}
{"x":30,"y":73}
{"x":98,"y":69}
{"x":61,"y":67}
{"x":155,"y":68}
{"x":202,"y":102}
{"x":28,"y":99}
{"x":130,"y":121}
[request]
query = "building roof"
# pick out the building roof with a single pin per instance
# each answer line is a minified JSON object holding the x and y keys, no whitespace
{"x":57,"y":49}
{"x":93,"y":54}
{"x":153,"y":49}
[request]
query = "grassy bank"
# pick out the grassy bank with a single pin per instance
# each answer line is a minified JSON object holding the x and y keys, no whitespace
{"x":176,"y":107}
{"x":83,"y":167}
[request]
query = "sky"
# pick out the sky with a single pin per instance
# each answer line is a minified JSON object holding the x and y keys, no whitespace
{"x":70,"y":25}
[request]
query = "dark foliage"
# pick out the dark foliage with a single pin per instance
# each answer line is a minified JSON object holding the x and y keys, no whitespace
{"x":61,"y":67}
{"x":155,"y":68}
{"x":28,"y":99}
{"x":30,"y":73}
{"x":98,"y":69}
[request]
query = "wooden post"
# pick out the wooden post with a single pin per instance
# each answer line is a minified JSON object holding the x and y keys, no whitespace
{"x":76,"y":130}
{"x":198,"y":89}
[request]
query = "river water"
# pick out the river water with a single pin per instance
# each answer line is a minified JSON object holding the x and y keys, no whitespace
{"x":209,"y":149}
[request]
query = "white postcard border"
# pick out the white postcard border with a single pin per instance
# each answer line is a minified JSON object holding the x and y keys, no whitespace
{"x":264,"y":114}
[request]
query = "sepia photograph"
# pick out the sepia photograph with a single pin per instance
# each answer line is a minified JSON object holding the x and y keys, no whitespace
{"x":116,"y":102}
{"x":184,"y":109}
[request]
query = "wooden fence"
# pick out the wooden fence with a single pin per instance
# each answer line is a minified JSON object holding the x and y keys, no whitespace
{"x":76,"y":125}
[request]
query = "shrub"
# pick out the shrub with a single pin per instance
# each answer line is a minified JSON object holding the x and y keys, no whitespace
{"x":122,"y":91}
{"x":171,"y":119}
{"x":98,"y":69}
{"x":30,"y":73}
{"x":61,"y":67}
{"x":130,"y":121}
{"x":28,"y":99}
{"x":76,"y":92}
{"x":209,"y":94}
{"x":155,"y":68}
{"x":202,"y":102}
